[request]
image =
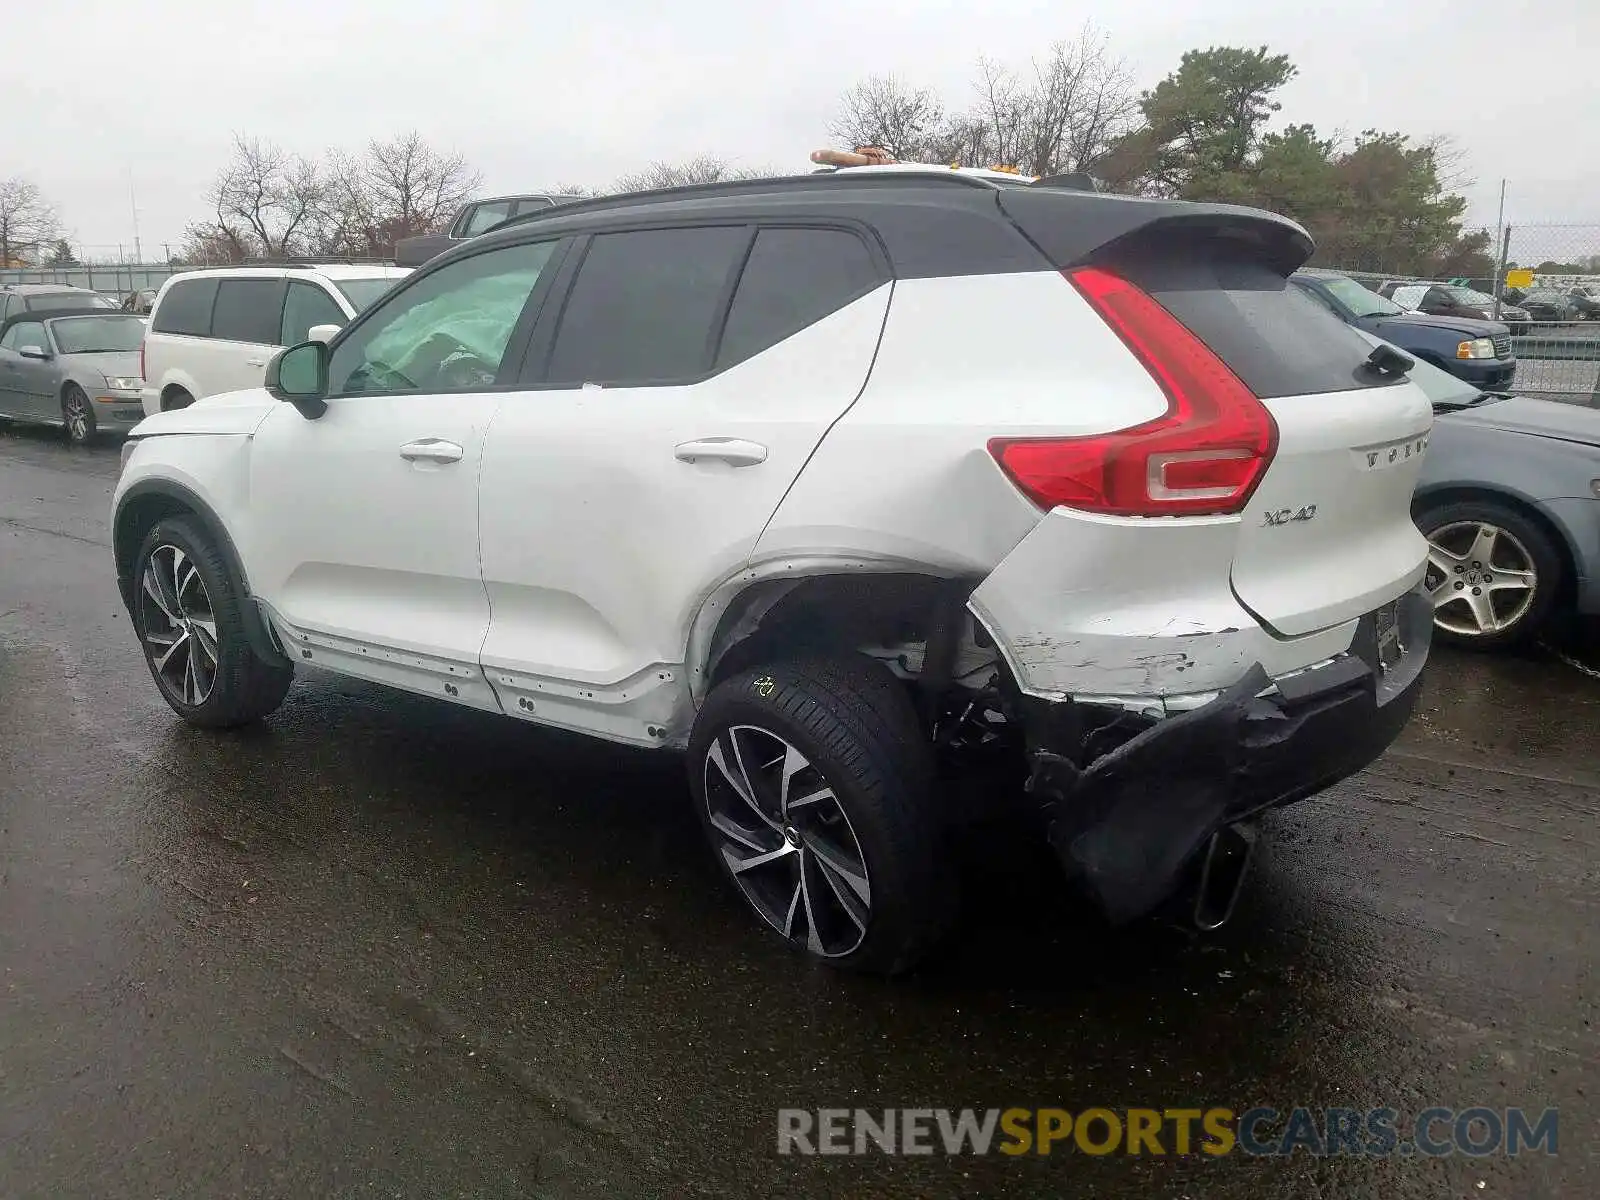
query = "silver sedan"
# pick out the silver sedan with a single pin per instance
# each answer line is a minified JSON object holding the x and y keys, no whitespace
{"x":78,"y":369}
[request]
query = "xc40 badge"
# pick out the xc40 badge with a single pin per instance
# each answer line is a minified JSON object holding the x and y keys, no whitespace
{"x":1282,"y":516}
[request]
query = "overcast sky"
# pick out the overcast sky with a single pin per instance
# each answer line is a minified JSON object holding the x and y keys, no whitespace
{"x":104,"y":91}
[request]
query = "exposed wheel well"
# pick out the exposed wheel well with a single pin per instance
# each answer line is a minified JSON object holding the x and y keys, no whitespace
{"x":915,"y":624}
{"x":1481,"y":495}
{"x":170,"y":394}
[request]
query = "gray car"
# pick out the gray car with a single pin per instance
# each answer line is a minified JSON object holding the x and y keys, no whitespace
{"x":1509,"y":500}
{"x":76,"y":368}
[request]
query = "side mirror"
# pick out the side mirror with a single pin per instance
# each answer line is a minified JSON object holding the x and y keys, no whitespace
{"x":37,"y":352}
{"x":323,"y":333}
{"x":300,"y":376}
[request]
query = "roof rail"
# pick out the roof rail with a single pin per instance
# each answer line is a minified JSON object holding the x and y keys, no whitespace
{"x":811,"y":181}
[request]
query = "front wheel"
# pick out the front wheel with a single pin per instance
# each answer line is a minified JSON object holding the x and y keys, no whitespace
{"x":1493,"y":573}
{"x":77,"y":415}
{"x":188,"y":611}
{"x":813,"y":782}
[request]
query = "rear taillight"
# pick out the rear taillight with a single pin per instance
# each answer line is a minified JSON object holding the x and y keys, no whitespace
{"x":1205,"y":455}
{"x":141,"y":358}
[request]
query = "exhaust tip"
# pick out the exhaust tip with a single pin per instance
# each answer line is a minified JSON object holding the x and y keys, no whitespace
{"x":1226,"y":862}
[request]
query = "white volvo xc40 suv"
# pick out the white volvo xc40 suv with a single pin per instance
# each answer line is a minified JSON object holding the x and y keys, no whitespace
{"x":824,"y":482}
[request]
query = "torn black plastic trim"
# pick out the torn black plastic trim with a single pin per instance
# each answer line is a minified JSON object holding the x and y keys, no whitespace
{"x":1129,"y":824}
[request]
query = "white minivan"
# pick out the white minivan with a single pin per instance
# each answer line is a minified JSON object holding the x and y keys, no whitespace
{"x":215,"y":330}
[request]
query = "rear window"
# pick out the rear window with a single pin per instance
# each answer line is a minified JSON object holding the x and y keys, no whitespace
{"x":793,"y":278}
{"x":186,"y":308}
{"x":1275,"y":338}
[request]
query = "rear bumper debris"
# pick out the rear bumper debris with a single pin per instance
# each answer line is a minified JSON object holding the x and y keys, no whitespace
{"x":1130,"y":824}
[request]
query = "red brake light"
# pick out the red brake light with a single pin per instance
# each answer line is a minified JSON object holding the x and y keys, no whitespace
{"x":141,"y":358}
{"x":1206,"y":454}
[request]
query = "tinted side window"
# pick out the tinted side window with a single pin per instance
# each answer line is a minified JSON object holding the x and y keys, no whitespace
{"x":186,"y":308}
{"x":794,"y":277}
{"x":484,"y":216}
{"x":646,"y":306}
{"x":306,"y":305}
{"x":248,"y":310}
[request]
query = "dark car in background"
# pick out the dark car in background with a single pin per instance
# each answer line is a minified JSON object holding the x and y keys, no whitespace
{"x":1454,"y":300}
{"x":475,"y":217}
{"x":1550,"y":304}
{"x":1469,"y":348}
{"x":1586,"y":300}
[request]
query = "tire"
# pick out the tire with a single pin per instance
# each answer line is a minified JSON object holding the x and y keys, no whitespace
{"x":856,"y":822}
{"x":187,"y":599}
{"x":175,"y":398}
{"x":1521,"y":552}
{"x":77,"y":415}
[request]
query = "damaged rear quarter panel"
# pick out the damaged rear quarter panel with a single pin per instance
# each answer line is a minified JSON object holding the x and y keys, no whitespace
{"x":1132,"y":607}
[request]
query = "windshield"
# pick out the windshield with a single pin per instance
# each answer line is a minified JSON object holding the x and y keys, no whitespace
{"x":1359,"y":300}
{"x":363,"y":292}
{"x":94,"y":335}
{"x":1545,"y":294}
{"x":1468,"y":296}
{"x":54,"y":300}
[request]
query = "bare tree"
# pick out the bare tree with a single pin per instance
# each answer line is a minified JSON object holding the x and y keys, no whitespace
{"x":266,"y":201}
{"x":1064,"y":115}
{"x":882,"y":111}
{"x":414,"y":189}
{"x":706,"y":168}
{"x":27,"y":220}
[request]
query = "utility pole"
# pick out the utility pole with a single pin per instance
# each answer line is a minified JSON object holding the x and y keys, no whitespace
{"x":133,"y":203}
{"x":1502,"y":235}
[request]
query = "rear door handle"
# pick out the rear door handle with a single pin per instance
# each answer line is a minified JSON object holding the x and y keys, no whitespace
{"x":736,"y":452}
{"x":255,"y":362}
{"x":431,"y":450}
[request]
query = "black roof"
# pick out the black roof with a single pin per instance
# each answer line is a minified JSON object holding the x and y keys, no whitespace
{"x":55,"y":314}
{"x":931,"y":223}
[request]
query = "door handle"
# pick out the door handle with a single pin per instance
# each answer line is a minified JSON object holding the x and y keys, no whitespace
{"x":255,"y":362}
{"x":736,"y":452}
{"x":431,"y":450}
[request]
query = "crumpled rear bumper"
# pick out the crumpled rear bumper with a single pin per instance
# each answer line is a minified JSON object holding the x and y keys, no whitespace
{"x":1129,"y":824}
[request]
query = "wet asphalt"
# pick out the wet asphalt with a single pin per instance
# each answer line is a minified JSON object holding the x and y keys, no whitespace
{"x":380,"y":946}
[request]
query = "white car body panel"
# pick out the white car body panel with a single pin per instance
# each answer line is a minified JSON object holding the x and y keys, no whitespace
{"x":571,"y":471}
{"x":913,"y":451}
{"x":368,"y":561}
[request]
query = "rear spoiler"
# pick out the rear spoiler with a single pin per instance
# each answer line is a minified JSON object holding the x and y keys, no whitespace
{"x":1073,"y":227}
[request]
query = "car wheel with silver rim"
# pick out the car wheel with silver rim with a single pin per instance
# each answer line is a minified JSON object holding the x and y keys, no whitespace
{"x":187,"y":607}
{"x":813,"y":784}
{"x":76,"y":414}
{"x":1493,"y":572}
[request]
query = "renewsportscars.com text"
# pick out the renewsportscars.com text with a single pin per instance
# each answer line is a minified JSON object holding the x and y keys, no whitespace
{"x":1261,"y":1131}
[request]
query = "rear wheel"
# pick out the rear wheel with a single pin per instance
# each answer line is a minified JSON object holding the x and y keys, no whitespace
{"x":76,"y":415}
{"x":188,"y":611}
{"x":813,"y":781}
{"x":1493,"y":573}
